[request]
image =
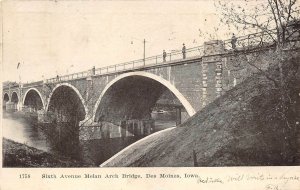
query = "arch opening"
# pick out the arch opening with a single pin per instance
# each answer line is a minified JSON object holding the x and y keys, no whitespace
{"x":66,"y":109}
{"x":33,"y":101}
{"x":66,"y":105}
{"x":14,"y":98}
{"x":141,"y":103}
{"x":5,"y":100}
{"x":13,"y":104}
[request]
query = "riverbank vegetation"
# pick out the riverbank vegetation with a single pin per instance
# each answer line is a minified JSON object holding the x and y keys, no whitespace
{"x":20,"y":155}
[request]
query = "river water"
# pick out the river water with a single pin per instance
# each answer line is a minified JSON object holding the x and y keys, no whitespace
{"x":22,"y":129}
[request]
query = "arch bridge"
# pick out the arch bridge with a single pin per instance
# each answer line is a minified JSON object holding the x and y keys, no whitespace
{"x":125,"y":96}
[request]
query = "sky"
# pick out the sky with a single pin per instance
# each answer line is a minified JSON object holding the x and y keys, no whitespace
{"x":51,"y":38}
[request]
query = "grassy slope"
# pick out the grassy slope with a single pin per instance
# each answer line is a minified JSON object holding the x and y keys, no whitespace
{"x":20,"y":155}
{"x":239,"y":128}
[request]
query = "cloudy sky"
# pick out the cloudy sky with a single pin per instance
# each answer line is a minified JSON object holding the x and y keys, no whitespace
{"x":50,"y":38}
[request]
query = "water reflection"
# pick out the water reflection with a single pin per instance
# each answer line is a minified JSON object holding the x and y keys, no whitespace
{"x":63,"y":139}
{"x":164,"y":120}
{"x":19,"y":129}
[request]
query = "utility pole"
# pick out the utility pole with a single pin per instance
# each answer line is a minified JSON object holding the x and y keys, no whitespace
{"x":144,"y":52}
{"x":144,"y":42}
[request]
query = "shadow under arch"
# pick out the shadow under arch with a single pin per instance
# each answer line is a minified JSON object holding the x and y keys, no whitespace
{"x":5,"y":97}
{"x":14,"y":97}
{"x":190,"y":110}
{"x":74,"y":89}
{"x":38,"y":92}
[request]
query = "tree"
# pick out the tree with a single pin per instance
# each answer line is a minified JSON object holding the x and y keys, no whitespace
{"x":271,"y":17}
{"x":277,"y":23}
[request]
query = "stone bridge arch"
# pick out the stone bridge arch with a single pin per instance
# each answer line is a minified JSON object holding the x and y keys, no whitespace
{"x":14,"y":97}
{"x":38,"y":93}
{"x":157,"y":79}
{"x":74,"y":89}
{"x":5,"y":99}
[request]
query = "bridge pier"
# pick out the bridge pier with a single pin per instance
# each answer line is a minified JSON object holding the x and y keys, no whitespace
{"x":212,"y":71}
{"x":178,"y":116}
{"x":11,"y":107}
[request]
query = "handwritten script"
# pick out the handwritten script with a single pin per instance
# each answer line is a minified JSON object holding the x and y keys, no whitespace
{"x":270,"y":181}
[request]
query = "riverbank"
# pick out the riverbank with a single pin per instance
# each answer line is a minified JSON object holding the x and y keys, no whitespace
{"x":20,"y":155}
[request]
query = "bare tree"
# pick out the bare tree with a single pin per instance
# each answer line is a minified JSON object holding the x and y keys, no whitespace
{"x":277,"y":23}
{"x":276,"y":19}
{"x":268,"y":16}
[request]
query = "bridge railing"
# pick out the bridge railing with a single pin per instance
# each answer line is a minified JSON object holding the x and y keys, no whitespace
{"x":251,"y":40}
{"x":254,"y":40}
{"x":140,"y":63}
{"x":151,"y":61}
{"x":33,"y":83}
{"x":68,"y":77}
